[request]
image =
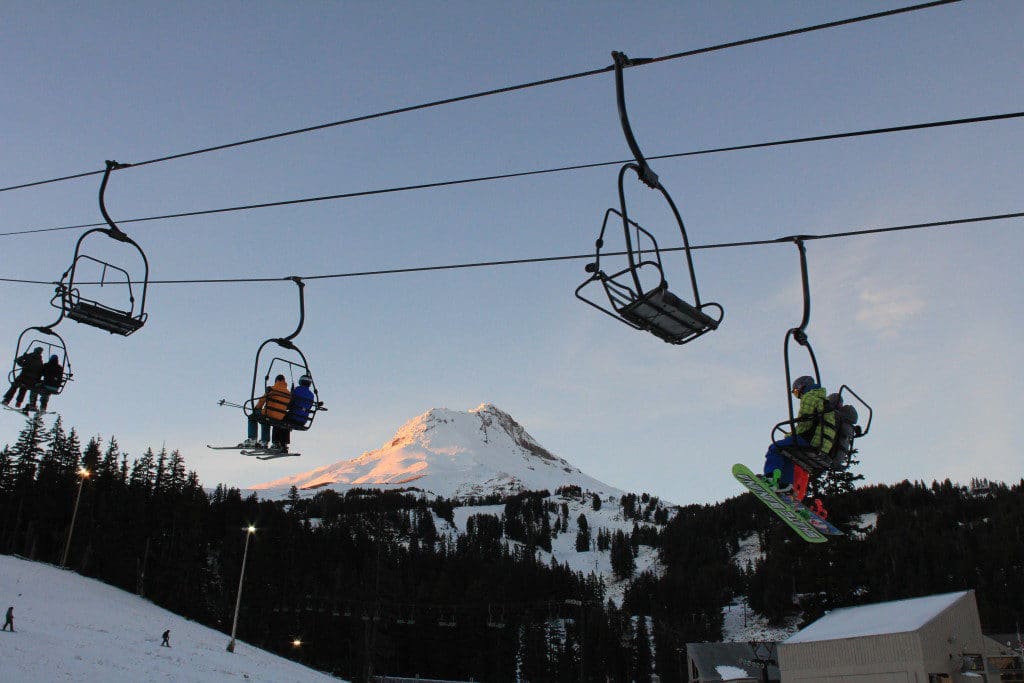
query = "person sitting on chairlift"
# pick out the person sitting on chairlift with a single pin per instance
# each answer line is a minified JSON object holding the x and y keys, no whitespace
{"x":53,"y":373}
{"x":31,"y":371}
{"x":273,"y":405}
{"x":807,"y":431}
{"x":302,"y":402}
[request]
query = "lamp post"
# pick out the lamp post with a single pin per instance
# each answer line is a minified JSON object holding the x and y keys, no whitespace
{"x":83,"y":474}
{"x":238,"y":600}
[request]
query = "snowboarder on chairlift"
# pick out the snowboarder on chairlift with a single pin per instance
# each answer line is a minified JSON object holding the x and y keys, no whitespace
{"x":808,"y":430}
{"x":53,"y":373}
{"x":273,"y":405}
{"x":31,"y":364}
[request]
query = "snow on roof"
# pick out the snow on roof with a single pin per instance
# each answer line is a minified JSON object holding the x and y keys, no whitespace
{"x":731,"y":673}
{"x":898,"y":616}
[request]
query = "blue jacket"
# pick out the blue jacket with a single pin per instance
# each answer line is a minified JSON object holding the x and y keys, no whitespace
{"x":301,"y":405}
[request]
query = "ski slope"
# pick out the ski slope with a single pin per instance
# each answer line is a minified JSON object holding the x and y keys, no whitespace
{"x":71,"y":628}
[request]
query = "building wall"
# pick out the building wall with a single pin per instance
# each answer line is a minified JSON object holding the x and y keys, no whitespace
{"x":886,"y":656}
{"x":935,"y":648}
{"x":952,"y":633}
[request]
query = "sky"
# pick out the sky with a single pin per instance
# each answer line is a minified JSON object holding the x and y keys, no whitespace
{"x":925,"y":325}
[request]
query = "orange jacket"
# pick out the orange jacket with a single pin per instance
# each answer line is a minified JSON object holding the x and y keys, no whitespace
{"x":274,"y":403}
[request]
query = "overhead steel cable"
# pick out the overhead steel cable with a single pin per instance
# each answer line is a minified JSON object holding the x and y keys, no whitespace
{"x":506,"y":89}
{"x":522,"y":174}
{"x":570,"y":257}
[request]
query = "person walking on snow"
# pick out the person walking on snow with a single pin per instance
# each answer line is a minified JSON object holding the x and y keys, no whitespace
{"x":10,"y":619}
{"x":31,"y":365}
{"x":166,"y":639}
{"x":814,"y":426}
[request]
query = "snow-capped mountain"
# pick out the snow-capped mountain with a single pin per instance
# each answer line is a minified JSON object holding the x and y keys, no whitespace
{"x":452,"y":454}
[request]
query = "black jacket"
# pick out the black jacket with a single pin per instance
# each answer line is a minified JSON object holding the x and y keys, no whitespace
{"x":31,"y":368}
{"x":53,"y":374}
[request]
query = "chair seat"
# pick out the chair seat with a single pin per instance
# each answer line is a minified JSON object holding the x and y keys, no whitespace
{"x":667,"y":316}
{"x":104,"y":317}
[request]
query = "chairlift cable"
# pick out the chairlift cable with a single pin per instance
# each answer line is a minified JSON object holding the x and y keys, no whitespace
{"x":569,"y":257}
{"x":505,"y":89}
{"x":544,"y":171}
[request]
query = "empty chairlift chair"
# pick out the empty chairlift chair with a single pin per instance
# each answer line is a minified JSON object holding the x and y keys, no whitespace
{"x":124,"y":319}
{"x":653,"y":307}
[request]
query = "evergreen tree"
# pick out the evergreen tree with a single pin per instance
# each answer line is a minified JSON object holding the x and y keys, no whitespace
{"x":623,"y":564}
{"x":642,"y":658}
{"x":143,"y":473}
{"x":582,"y":534}
{"x":109,"y":467}
{"x":6,"y":470}
{"x":27,"y":451}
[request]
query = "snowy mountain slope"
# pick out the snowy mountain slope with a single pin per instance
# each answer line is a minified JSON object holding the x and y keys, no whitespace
{"x":452,"y":454}
{"x":71,"y":628}
{"x":563,"y":546}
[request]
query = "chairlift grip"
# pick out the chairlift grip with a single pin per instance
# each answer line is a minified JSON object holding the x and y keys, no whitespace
{"x":647,"y":175}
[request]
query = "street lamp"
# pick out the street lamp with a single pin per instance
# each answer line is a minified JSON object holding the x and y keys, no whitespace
{"x":250,"y":530}
{"x":83,"y":474}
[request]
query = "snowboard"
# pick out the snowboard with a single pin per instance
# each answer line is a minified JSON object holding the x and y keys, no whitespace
{"x":784,"y":510}
{"x":820,"y":523}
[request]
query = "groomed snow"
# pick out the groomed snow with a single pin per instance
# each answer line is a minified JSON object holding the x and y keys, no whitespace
{"x":70,"y":628}
{"x":898,"y":616}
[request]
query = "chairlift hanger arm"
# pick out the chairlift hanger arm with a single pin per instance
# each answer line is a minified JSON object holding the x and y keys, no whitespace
{"x":113,"y":231}
{"x":799,"y":333}
{"x":647,"y":175}
{"x":302,"y":313}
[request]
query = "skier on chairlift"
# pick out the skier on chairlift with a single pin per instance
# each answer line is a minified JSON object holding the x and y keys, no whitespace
{"x":31,"y":364}
{"x":53,"y":373}
{"x":808,"y":430}
{"x":273,"y":405}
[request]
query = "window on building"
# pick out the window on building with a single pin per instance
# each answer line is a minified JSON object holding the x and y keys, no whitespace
{"x":1010,"y":669}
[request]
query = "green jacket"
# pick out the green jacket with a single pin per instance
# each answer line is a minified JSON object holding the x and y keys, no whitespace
{"x":819,"y":429}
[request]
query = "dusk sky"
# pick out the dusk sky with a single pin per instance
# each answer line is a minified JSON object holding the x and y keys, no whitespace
{"x":926,"y":325}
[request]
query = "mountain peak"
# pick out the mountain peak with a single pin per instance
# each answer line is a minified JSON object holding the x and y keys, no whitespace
{"x":452,"y":454}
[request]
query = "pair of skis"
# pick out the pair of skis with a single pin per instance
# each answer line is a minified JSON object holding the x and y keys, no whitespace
{"x":809,"y":526}
{"x":258,"y":453}
{"x":27,"y":411}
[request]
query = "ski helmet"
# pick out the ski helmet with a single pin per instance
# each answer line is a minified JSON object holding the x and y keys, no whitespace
{"x":305,"y":380}
{"x":802,"y":383}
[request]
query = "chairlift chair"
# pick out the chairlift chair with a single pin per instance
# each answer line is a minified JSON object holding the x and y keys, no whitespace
{"x":69,"y":299}
{"x":655,"y":309}
{"x":811,"y":458}
{"x":292,"y":367}
{"x":53,"y":345}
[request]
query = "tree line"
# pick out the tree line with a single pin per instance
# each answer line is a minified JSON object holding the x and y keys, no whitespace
{"x":378,"y":583}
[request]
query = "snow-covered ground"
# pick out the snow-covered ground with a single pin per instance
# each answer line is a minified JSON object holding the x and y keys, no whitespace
{"x":70,"y":628}
{"x":740,"y":623}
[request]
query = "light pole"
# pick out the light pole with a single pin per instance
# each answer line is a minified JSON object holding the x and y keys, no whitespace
{"x":83,"y":474}
{"x":238,"y":600}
